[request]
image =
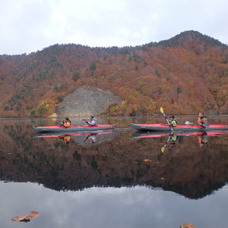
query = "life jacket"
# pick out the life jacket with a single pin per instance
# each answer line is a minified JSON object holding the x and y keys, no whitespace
{"x":204,"y":120}
{"x":199,"y":120}
{"x":93,"y":122}
{"x":66,"y":123}
{"x":173,"y":122}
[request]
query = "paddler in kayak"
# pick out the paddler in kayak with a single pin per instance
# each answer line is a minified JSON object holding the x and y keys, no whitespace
{"x":172,"y":121}
{"x":92,"y":121}
{"x":202,"y":120}
{"x":200,"y":115}
{"x":66,"y":123}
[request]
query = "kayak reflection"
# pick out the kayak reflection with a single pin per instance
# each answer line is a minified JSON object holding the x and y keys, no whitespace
{"x":203,"y":139}
{"x":91,"y":138}
{"x":66,"y":138}
{"x":173,"y":138}
{"x":78,"y":137}
{"x":163,"y":134}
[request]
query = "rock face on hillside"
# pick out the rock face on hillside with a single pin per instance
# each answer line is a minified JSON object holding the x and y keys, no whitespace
{"x":86,"y":101}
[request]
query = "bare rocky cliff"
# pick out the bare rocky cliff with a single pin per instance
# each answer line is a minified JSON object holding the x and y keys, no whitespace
{"x":86,"y":101}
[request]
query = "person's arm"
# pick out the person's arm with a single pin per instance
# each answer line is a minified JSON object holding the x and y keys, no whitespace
{"x":85,"y":121}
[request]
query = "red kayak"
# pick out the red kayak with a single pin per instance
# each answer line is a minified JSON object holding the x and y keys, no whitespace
{"x":45,"y":129}
{"x":179,"y":128}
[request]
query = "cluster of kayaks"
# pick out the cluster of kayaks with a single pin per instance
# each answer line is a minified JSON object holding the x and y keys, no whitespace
{"x":138,"y":127}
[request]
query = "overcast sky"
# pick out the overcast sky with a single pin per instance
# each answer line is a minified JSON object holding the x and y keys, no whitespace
{"x":31,"y":25}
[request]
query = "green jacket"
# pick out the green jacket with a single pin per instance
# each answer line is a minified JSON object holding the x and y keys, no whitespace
{"x":173,"y":122}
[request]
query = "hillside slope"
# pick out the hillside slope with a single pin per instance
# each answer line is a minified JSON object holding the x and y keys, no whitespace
{"x":185,"y":74}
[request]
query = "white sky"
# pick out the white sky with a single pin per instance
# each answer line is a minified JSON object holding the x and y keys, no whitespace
{"x":31,"y":25}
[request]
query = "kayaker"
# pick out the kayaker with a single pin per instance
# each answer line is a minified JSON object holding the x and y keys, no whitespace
{"x":202,"y":120}
{"x":66,"y":123}
{"x":92,"y":121}
{"x":199,"y":118}
{"x":172,"y":121}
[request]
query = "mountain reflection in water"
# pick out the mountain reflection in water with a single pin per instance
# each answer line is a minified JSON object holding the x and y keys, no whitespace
{"x":113,"y":159}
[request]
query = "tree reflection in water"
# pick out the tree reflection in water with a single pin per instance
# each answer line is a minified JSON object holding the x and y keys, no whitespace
{"x":113,"y":160}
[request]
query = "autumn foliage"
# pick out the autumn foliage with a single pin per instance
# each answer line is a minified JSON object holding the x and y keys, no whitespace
{"x":185,"y":74}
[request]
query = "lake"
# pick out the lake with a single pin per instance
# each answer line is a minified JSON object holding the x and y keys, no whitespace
{"x":113,"y":179}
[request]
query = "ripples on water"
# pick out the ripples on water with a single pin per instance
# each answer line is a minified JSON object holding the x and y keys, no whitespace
{"x":117,"y":180}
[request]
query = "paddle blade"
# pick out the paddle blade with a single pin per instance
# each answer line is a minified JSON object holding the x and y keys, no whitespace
{"x":163,"y":149}
{"x":161,"y":110}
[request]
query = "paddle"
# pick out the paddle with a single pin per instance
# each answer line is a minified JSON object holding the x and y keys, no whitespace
{"x":86,"y":139}
{"x":85,"y":121}
{"x":162,"y":111}
{"x":163,"y":148}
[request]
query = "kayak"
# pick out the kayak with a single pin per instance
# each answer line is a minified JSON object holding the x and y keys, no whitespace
{"x":179,"y":128}
{"x":142,"y":135}
{"x":62,"y":129}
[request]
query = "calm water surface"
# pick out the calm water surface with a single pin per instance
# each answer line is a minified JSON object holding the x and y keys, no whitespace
{"x":113,"y":179}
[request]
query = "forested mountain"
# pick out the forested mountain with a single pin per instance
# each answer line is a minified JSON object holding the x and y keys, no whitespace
{"x":185,"y":74}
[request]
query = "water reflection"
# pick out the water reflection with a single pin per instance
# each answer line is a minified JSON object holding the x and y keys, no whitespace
{"x":113,"y":159}
{"x":110,"y":207}
{"x":173,"y":138}
{"x":80,"y":137}
{"x":118,"y":180}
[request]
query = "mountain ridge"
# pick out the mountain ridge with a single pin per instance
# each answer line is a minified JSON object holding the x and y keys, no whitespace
{"x":187,"y":73}
{"x":192,"y":36}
